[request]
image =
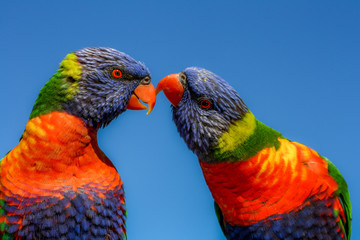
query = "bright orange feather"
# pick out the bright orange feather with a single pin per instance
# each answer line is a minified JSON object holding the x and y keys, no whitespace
{"x":57,"y":152}
{"x":269,"y":183}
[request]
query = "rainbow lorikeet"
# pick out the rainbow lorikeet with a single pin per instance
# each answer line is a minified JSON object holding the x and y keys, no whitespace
{"x":57,"y":183}
{"x":264,"y":185}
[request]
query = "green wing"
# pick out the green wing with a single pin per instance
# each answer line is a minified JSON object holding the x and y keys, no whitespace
{"x":343,"y":194}
{"x":220,"y":217}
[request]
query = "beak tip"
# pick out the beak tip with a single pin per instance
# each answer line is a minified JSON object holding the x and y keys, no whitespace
{"x":146,"y":93}
{"x":151,"y":105}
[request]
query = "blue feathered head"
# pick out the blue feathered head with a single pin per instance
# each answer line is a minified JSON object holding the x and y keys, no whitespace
{"x":96,"y":85}
{"x":204,"y":106}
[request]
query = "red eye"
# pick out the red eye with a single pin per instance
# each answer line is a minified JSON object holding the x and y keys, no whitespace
{"x":116,"y":73}
{"x":205,"y":104}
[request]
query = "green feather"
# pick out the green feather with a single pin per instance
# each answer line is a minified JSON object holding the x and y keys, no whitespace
{"x":60,"y":89}
{"x":262,"y":137}
{"x":344,"y":195}
{"x":220,"y":217}
{"x":53,"y":95}
{"x":6,"y":236}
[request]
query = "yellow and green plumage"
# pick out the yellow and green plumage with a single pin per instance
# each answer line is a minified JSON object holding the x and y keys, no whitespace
{"x":264,"y":185}
{"x":57,"y":183}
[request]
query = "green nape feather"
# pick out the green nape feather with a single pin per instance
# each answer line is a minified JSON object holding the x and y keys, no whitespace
{"x":234,"y":145}
{"x":61,"y":87}
{"x":52,"y":95}
{"x":344,"y":195}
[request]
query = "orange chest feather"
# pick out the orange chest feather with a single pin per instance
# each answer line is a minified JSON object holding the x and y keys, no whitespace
{"x":57,"y":152}
{"x":271,"y":182}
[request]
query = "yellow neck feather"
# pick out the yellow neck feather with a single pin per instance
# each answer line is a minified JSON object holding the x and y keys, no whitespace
{"x":237,"y":133}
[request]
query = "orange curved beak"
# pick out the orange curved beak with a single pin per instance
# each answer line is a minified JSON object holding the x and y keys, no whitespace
{"x":145,"y":93}
{"x":172,"y":88}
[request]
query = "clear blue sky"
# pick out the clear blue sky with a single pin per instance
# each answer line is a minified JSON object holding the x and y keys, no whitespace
{"x":295,"y":63}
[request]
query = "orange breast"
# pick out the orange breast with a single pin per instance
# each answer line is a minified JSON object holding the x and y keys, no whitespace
{"x":57,"y":152}
{"x":272,"y":182}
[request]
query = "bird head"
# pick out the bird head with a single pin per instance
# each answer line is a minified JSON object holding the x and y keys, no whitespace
{"x":203,"y":106}
{"x":96,"y":85}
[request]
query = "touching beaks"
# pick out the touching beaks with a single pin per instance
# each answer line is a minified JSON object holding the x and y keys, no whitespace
{"x":145,"y":93}
{"x":172,"y":87}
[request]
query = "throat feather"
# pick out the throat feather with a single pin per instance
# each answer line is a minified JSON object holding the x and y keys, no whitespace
{"x":58,"y":151}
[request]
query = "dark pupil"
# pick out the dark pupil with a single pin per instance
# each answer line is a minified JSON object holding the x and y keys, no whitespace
{"x":117,"y":72}
{"x":205,"y":103}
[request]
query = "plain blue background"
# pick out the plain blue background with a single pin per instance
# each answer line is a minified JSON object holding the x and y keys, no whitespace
{"x":295,"y":63}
